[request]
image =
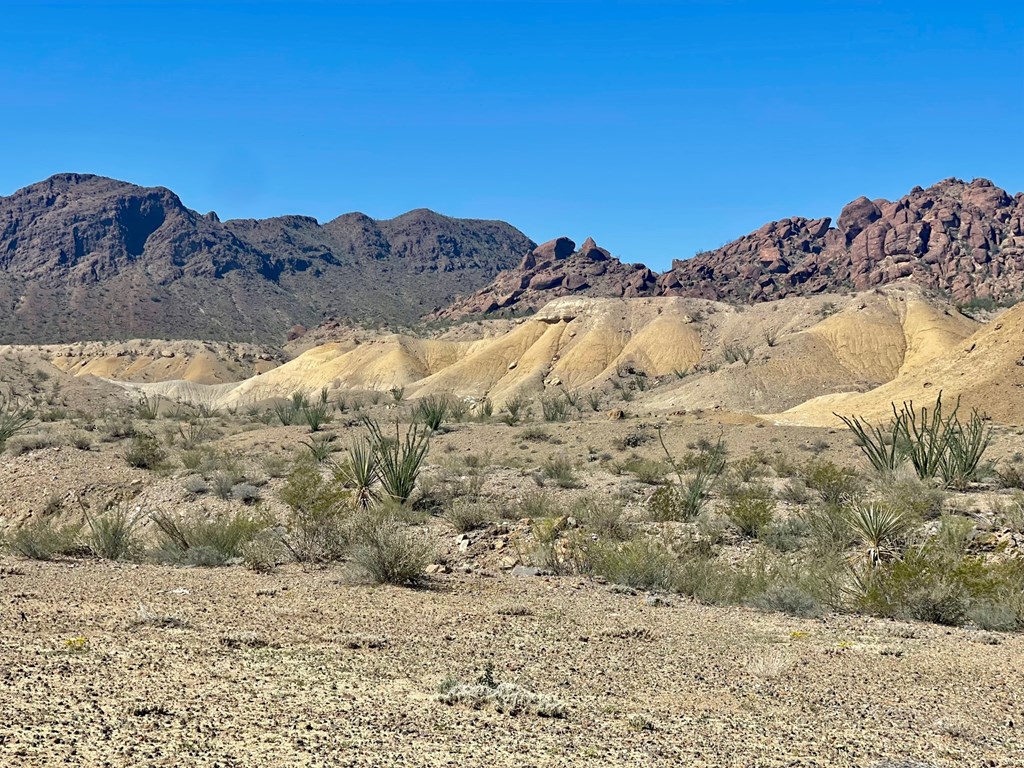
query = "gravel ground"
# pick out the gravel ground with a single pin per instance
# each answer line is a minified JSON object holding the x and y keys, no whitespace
{"x":139,"y":665}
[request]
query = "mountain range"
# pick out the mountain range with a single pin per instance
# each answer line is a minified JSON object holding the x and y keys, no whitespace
{"x":88,"y":257}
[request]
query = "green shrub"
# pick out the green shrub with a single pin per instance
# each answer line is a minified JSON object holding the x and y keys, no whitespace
{"x":465,"y":515}
{"x":113,"y":534}
{"x":390,"y":552}
{"x":320,"y":510}
{"x":559,"y":469}
{"x":605,"y":517}
{"x":751,"y":509}
{"x":833,"y":483}
{"x":641,"y":563}
{"x":205,"y":541}
{"x":789,"y":599}
{"x":43,"y":539}
{"x":145,"y":452}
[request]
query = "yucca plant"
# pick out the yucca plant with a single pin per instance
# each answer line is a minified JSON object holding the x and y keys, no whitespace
{"x":432,"y":411}
{"x":285,"y":413}
{"x":399,"y":459}
{"x":316,"y":415}
{"x":320,"y":446}
{"x":555,"y":408}
{"x":877,"y":526}
{"x":13,"y":418}
{"x":360,"y":472}
{"x":515,"y":409}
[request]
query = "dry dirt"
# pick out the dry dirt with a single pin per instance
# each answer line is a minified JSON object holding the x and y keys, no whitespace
{"x":259,"y":670}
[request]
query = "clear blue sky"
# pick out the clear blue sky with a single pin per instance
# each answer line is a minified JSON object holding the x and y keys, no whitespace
{"x":659,"y":128}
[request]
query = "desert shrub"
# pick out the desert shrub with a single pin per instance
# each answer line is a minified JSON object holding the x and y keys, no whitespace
{"x":397,"y":394}
{"x":647,"y":471}
{"x":1009,"y":475}
{"x":641,"y":563}
{"x":795,"y":492}
{"x":399,"y":460}
{"x":43,"y":539}
{"x":247,"y":493}
{"x":787,"y":535}
{"x":195,"y":485}
{"x":465,"y":515}
{"x":789,"y":599}
{"x":320,"y":509}
{"x":390,"y":552}
{"x":145,"y":452}
{"x":559,"y":470}
{"x":114,"y":533}
{"x":205,"y":541}
{"x":264,"y":552}
{"x":23,"y":444}
{"x":222,"y":483}
{"x":915,"y":498}
{"x":533,"y":504}
{"x":936,"y":581}
{"x":832,"y":483}
{"x":828,"y":527}
{"x":751,"y":509}
{"x":276,"y":466}
{"x":750,"y":468}
{"x":504,"y":697}
{"x":605,"y":517}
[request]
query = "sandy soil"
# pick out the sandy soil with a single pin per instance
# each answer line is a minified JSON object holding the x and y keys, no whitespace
{"x":259,"y":670}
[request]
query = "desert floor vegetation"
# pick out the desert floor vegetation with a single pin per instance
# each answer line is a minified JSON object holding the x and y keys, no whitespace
{"x":276,"y":536}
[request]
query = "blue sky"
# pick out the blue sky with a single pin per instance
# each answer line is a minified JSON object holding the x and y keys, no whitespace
{"x":659,"y":128}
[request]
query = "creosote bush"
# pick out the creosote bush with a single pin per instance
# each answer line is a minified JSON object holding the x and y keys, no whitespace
{"x":389,"y":551}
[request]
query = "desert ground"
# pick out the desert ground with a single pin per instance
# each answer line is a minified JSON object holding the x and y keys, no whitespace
{"x":637,"y":535}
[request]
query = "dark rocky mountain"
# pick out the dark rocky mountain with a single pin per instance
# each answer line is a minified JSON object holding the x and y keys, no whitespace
{"x":556,"y":268}
{"x":966,"y":239}
{"x":963,"y":238}
{"x":87,"y":257}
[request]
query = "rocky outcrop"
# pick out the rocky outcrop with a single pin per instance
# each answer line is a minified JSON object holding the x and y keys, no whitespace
{"x":86,"y":257}
{"x":963,"y":238}
{"x":553,"y":269}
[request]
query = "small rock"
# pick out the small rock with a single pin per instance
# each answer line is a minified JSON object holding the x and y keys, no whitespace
{"x":527,"y":570}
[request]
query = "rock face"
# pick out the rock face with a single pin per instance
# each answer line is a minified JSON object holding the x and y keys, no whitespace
{"x":963,"y":238}
{"x":552,"y":269}
{"x":86,"y":257}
